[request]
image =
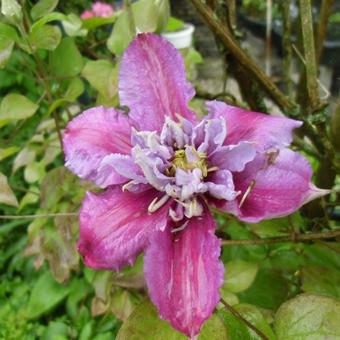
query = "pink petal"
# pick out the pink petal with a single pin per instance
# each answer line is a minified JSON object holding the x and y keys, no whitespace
{"x":115,"y":226}
{"x":183,"y":273}
{"x":152,"y":82}
{"x":90,"y":137}
{"x":264,"y":130}
{"x":280,"y":188}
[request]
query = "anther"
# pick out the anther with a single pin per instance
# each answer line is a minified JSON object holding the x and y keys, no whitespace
{"x":182,"y":227}
{"x":248,"y":191}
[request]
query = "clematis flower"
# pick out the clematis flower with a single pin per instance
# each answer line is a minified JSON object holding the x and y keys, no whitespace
{"x":162,"y":169}
{"x":98,"y":9}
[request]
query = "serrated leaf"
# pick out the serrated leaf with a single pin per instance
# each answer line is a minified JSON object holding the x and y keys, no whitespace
{"x":66,"y":59}
{"x":45,"y":296}
{"x":6,"y":194}
{"x":16,"y":107}
{"x":45,"y":37}
{"x":43,"y":7}
{"x":239,"y":275}
{"x":308,"y":316}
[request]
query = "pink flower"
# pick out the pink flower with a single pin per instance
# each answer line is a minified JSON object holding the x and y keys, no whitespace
{"x":162,"y":169}
{"x":99,"y":9}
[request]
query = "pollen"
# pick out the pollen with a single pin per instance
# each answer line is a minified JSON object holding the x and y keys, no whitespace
{"x":180,"y":161}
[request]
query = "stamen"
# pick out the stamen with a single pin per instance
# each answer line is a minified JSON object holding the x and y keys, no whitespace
{"x":248,"y":191}
{"x":127,"y":185}
{"x":157,"y":204}
{"x":213,"y":168}
{"x":175,"y":230}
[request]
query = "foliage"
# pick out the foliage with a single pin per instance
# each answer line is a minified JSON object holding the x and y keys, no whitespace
{"x":53,"y":65}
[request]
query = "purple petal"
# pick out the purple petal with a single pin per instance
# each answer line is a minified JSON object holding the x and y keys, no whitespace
{"x":281,"y":186}
{"x":91,"y":136}
{"x":115,"y":226}
{"x":221,"y":185}
{"x":233,"y":157}
{"x":152,"y":82}
{"x":264,"y":130}
{"x":183,"y":273}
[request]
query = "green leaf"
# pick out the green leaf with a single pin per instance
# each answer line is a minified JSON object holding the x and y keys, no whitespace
{"x":34,"y":172}
{"x":45,"y":296}
{"x":174,"y":24}
{"x":16,"y":107}
{"x":94,"y":22}
{"x":56,"y":330}
{"x":148,"y":16}
{"x":66,"y":60}
{"x":144,"y":323}
{"x":43,"y":7}
{"x":322,"y":255}
{"x":102,"y":75}
{"x":24,"y":157}
{"x":4,"y":153}
{"x":269,"y":290}
{"x":239,"y":275}
{"x":308,"y":316}
{"x":320,"y":280}
{"x":237,"y":329}
{"x":8,"y":36}
{"x":48,"y":18}
{"x":11,"y":10}
{"x":73,"y":26}
{"x":46,"y":37}
{"x":74,"y":90}
{"x":6,"y":194}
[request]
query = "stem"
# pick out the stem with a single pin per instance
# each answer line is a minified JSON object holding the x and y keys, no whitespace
{"x":240,"y":317}
{"x":226,"y":37}
{"x":309,"y":53}
{"x":20,"y":217}
{"x":291,"y":238}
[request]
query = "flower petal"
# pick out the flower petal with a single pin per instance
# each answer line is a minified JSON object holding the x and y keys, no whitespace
{"x":152,"y":82}
{"x":233,"y":157}
{"x":115,"y":226}
{"x":265,"y":130}
{"x":278,"y":188}
{"x":183,"y":273}
{"x":91,"y":136}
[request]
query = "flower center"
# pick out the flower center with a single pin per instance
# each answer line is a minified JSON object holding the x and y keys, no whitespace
{"x":198,"y":160}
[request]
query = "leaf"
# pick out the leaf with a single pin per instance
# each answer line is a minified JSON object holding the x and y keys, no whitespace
{"x":8,"y":36}
{"x":94,"y":22}
{"x":66,"y":60}
{"x":54,"y":16}
{"x":56,"y":330}
{"x":102,"y":75}
{"x":43,"y":7}
{"x":46,"y":37}
{"x":144,"y":323}
{"x":24,"y":157}
{"x":46,"y":295}
{"x":74,"y":90}
{"x":237,"y":329}
{"x":73,"y":26}
{"x":34,"y":172}
{"x":6,"y":194}
{"x":320,"y":280}
{"x":148,"y":16}
{"x":269,"y":290}
{"x":4,"y":153}
{"x":29,"y":198}
{"x":122,"y":303}
{"x":239,"y":275}
{"x":174,"y":24}
{"x":11,"y":10}
{"x":16,"y":107}
{"x":308,"y":316}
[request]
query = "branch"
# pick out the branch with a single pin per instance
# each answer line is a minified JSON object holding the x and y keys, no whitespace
{"x":233,"y":47}
{"x":291,"y":238}
{"x":240,"y":317}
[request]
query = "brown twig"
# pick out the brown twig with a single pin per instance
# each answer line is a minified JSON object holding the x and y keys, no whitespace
{"x":283,"y":239}
{"x":240,"y":317}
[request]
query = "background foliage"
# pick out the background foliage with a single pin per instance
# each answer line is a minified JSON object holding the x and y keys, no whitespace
{"x":52,"y":66}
